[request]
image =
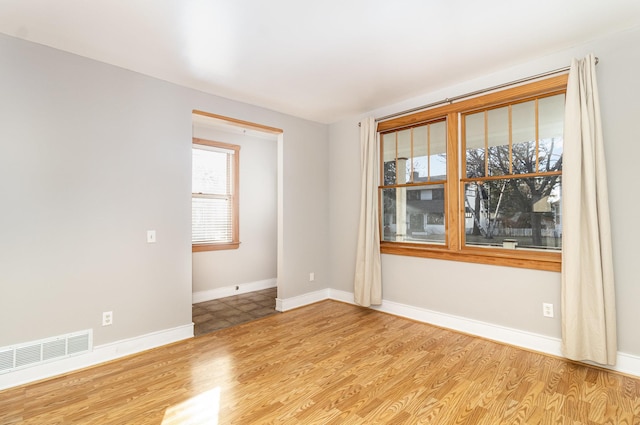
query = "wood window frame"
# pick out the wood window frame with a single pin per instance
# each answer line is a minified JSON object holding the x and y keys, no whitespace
{"x":235,"y":199}
{"x":454,"y":248}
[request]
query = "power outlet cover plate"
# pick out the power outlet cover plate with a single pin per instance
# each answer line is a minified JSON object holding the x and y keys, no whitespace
{"x":107,"y":318}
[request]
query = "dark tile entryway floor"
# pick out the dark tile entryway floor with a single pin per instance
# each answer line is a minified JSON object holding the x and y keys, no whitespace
{"x":217,"y":314}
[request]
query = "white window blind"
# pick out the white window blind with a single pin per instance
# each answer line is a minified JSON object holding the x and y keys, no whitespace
{"x":212,"y":195}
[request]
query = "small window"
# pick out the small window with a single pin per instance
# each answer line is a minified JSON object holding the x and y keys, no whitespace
{"x":215,"y":189}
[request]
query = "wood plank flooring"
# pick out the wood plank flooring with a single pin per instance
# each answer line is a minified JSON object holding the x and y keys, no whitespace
{"x":330,"y":363}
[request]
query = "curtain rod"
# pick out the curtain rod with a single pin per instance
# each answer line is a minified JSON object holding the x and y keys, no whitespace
{"x":474,"y":93}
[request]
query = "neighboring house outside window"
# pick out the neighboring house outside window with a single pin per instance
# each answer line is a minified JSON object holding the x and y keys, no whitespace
{"x":215,"y":195}
{"x":478,"y":180}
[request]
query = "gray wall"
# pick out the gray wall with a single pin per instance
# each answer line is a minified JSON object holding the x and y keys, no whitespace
{"x":501,"y":295}
{"x":91,"y":157}
{"x":255,"y":259}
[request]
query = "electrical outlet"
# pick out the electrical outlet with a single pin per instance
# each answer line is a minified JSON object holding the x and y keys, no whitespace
{"x":547,"y":310}
{"x":312,"y":277}
{"x":107,"y":318}
{"x":151,"y":236}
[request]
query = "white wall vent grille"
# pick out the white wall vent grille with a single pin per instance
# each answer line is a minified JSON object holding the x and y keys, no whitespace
{"x":45,"y":350}
{"x":6,"y":360}
{"x":28,"y":355}
{"x":53,"y":349}
{"x":78,"y":344}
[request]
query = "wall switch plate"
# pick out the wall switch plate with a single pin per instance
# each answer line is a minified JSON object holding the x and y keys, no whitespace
{"x":151,"y":236}
{"x":547,"y":310}
{"x":107,"y":318}
{"x":312,"y":277}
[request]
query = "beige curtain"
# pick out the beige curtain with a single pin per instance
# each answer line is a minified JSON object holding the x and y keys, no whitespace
{"x":588,"y":295}
{"x":368,"y":281}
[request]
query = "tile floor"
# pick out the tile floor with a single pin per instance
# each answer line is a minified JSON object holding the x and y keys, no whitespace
{"x":217,"y":314}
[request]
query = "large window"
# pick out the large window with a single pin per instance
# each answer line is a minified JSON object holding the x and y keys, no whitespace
{"x":479,"y":180}
{"x":215,"y":189}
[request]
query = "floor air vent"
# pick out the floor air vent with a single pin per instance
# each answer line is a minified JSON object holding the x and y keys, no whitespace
{"x":45,"y":350}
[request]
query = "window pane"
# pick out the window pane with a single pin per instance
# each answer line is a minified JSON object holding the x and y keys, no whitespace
{"x":438,"y":151}
{"x":474,"y":144}
{"x":389,"y":158}
{"x":420,"y":154}
{"x":414,"y":214}
{"x":209,"y":172}
{"x":524,"y":212}
{"x":551,"y":116}
{"x":498,"y":141}
{"x":211,"y":220}
{"x":523,"y":119}
{"x":404,"y":156}
{"x":551,"y":124}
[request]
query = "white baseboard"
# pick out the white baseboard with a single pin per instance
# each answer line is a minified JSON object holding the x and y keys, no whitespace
{"x":625,"y":363}
{"x":302,"y":300}
{"x":99,"y":354}
{"x":227,"y":291}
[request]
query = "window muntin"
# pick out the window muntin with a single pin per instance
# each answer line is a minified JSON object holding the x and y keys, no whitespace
{"x":530,"y":150}
{"x":214,"y":195}
{"x":412,"y":204}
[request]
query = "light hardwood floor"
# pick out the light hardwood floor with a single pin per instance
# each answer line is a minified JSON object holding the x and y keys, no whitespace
{"x":330,"y":363}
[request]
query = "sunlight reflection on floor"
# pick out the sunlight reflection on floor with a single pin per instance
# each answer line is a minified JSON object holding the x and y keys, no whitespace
{"x":202,"y":409}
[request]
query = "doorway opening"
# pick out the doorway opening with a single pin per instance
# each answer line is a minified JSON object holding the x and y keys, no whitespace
{"x":233,"y":286}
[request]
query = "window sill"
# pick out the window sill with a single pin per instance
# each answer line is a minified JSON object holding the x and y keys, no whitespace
{"x":201,"y":247}
{"x":537,"y":260}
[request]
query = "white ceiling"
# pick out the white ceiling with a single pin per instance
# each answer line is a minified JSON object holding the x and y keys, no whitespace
{"x":321,"y":60}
